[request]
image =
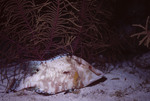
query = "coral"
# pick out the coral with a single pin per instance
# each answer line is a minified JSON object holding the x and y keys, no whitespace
{"x":144,"y":34}
{"x":38,"y":30}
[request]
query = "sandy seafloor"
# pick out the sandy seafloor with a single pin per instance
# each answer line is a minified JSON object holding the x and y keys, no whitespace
{"x":125,"y":82}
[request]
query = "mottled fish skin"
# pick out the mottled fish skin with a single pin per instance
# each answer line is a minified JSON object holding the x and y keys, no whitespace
{"x":61,"y":74}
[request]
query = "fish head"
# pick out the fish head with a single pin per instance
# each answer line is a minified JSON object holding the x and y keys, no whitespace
{"x":87,"y":73}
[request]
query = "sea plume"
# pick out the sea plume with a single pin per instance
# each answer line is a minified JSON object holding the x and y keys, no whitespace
{"x":144,"y":36}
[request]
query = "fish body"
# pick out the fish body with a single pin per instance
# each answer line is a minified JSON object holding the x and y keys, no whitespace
{"x":61,"y":74}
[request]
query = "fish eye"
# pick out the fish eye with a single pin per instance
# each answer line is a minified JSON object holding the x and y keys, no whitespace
{"x":37,"y":70}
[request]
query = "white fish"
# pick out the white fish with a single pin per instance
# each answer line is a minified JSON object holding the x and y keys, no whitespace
{"x":61,"y":74}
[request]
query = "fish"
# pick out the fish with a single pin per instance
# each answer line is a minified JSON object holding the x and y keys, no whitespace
{"x":60,"y":74}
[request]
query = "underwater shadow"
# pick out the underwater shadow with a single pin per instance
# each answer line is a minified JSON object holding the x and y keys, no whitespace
{"x":103,"y":79}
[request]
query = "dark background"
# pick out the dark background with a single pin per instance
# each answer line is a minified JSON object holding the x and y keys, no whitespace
{"x":115,"y":26}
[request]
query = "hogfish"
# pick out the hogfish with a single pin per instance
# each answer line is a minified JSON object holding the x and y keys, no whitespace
{"x":61,"y":74}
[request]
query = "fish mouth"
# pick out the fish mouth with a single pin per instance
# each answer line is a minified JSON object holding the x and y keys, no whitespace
{"x":103,"y":79}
